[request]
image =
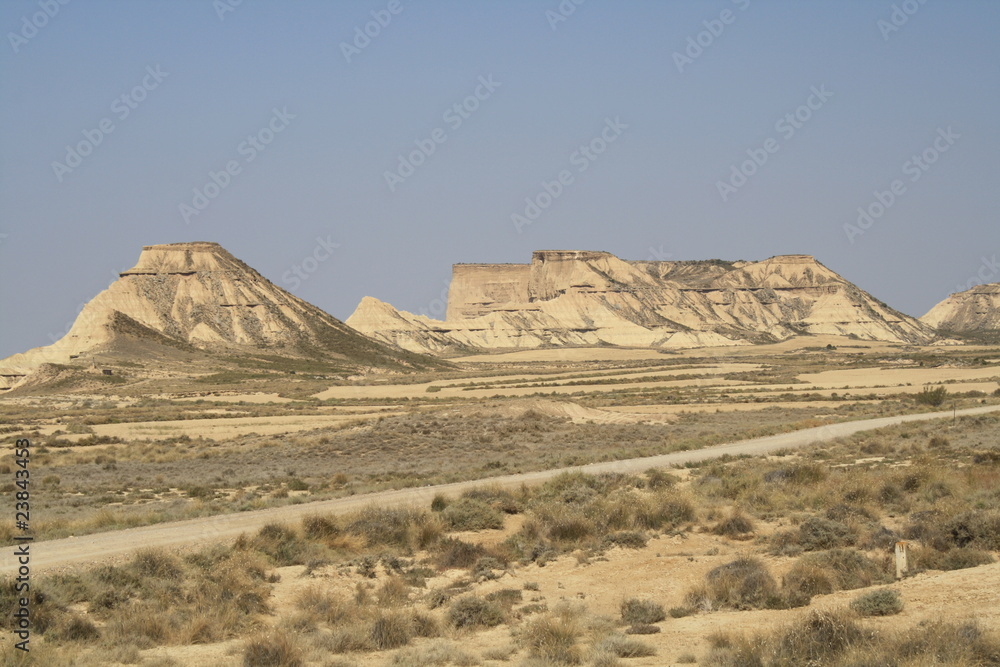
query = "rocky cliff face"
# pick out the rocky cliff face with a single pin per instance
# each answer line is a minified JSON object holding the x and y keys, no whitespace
{"x":198,"y":297}
{"x":592,"y":298}
{"x":973,"y":311}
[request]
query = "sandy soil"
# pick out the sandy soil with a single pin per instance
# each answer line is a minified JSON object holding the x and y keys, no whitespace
{"x":221,"y":428}
{"x":672,"y":409}
{"x":235,"y":398}
{"x":663,"y":571}
{"x":869,"y":377}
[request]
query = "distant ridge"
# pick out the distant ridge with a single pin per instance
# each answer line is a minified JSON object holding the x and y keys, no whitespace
{"x":578,"y":297}
{"x":198,"y":298}
{"x":974,"y":311}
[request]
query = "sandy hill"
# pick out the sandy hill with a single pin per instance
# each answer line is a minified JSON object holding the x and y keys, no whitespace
{"x":974,"y":311}
{"x":196,"y":298}
{"x":592,"y":298}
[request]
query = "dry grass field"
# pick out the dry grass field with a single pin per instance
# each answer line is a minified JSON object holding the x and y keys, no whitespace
{"x":765,"y":560}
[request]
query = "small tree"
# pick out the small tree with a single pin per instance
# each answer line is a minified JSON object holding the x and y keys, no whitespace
{"x":932,"y":396}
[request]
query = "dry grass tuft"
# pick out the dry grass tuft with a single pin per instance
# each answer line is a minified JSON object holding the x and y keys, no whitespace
{"x":275,"y":649}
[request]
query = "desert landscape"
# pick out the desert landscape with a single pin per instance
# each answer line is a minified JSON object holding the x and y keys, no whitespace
{"x":557,"y":333}
{"x":590,"y":461}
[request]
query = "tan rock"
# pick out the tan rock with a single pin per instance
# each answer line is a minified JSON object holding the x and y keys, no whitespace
{"x":198,"y":297}
{"x":975,"y":310}
{"x":594,"y":298}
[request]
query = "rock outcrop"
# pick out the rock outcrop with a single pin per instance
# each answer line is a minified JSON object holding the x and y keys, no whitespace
{"x":595,"y":298}
{"x":197,"y":297}
{"x":974,"y":311}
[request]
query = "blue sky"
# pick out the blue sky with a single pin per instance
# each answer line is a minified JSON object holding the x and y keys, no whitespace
{"x":873,"y":84}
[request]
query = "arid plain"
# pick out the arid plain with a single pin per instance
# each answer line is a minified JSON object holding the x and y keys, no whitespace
{"x":559,"y":504}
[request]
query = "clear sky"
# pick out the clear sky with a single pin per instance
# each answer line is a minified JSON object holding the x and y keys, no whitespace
{"x":114,"y":114}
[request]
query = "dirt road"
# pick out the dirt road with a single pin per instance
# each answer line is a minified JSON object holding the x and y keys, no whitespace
{"x":89,"y":549}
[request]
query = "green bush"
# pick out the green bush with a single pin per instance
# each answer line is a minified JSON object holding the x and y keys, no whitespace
{"x":883,"y":602}
{"x":471,"y":514}
{"x":817,"y":533}
{"x":384,"y":526}
{"x":933,"y":396}
{"x":471,"y":611}
{"x":635,"y":611}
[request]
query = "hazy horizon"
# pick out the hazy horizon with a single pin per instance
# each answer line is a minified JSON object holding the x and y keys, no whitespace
{"x":736,"y":129}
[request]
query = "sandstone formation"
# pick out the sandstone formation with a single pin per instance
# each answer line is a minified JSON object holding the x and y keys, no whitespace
{"x":196,"y":297}
{"x":974,"y":311}
{"x":595,"y":298}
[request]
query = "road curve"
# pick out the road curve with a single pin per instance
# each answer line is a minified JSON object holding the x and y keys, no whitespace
{"x":97,"y":547}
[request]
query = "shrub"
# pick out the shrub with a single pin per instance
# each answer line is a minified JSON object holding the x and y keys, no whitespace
{"x":471,"y":514}
{"x":77,"y":629}
{"x":657,"y":478}
{"x":506,"y":596}
{"x":883,"y":602}
{"x":817,"y":533}
{"x":938,"y":442}
{"x":425,"y":625}
{"x":439,"y":502}
{"x":487,"y":568}
{"x":553,"y":637}
{"x":846,"y":512}
{"x":318,"y":527}
{"x":642,"y":629}
{"x":625,"y":647}
{"x":880,"y":539}
{"x":440,"y":652}
{"x":275,"y":649}
{"x":845,"y":569}
{"x":156,"y":563}
{"x":635,"y":611}
{"x":806,"y":474}
{"x":472,"y":611}
{"x":570,"y":527}
{"x":392,"y":592}
{"x":496,"y":497}
{"x":808,"y":579}
{"x":743,"y":583}
{"x":386,"y":526}
{"x":278,"y":541}
{"x":390,"y":630}
{"x":818,"y":637}
{"x":628,"y":539}
{"x":931,"y":396}
{"x":666,"y":510}
{"x":956,"y":558}
{"x":296,"y":484}
{"x":962,"y":643}
{"x":736,"y":524}
{"x":834,"y":638}
{"x":453,"y":552}
{"x":44,"y":609}
{"x":979,"y":529}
